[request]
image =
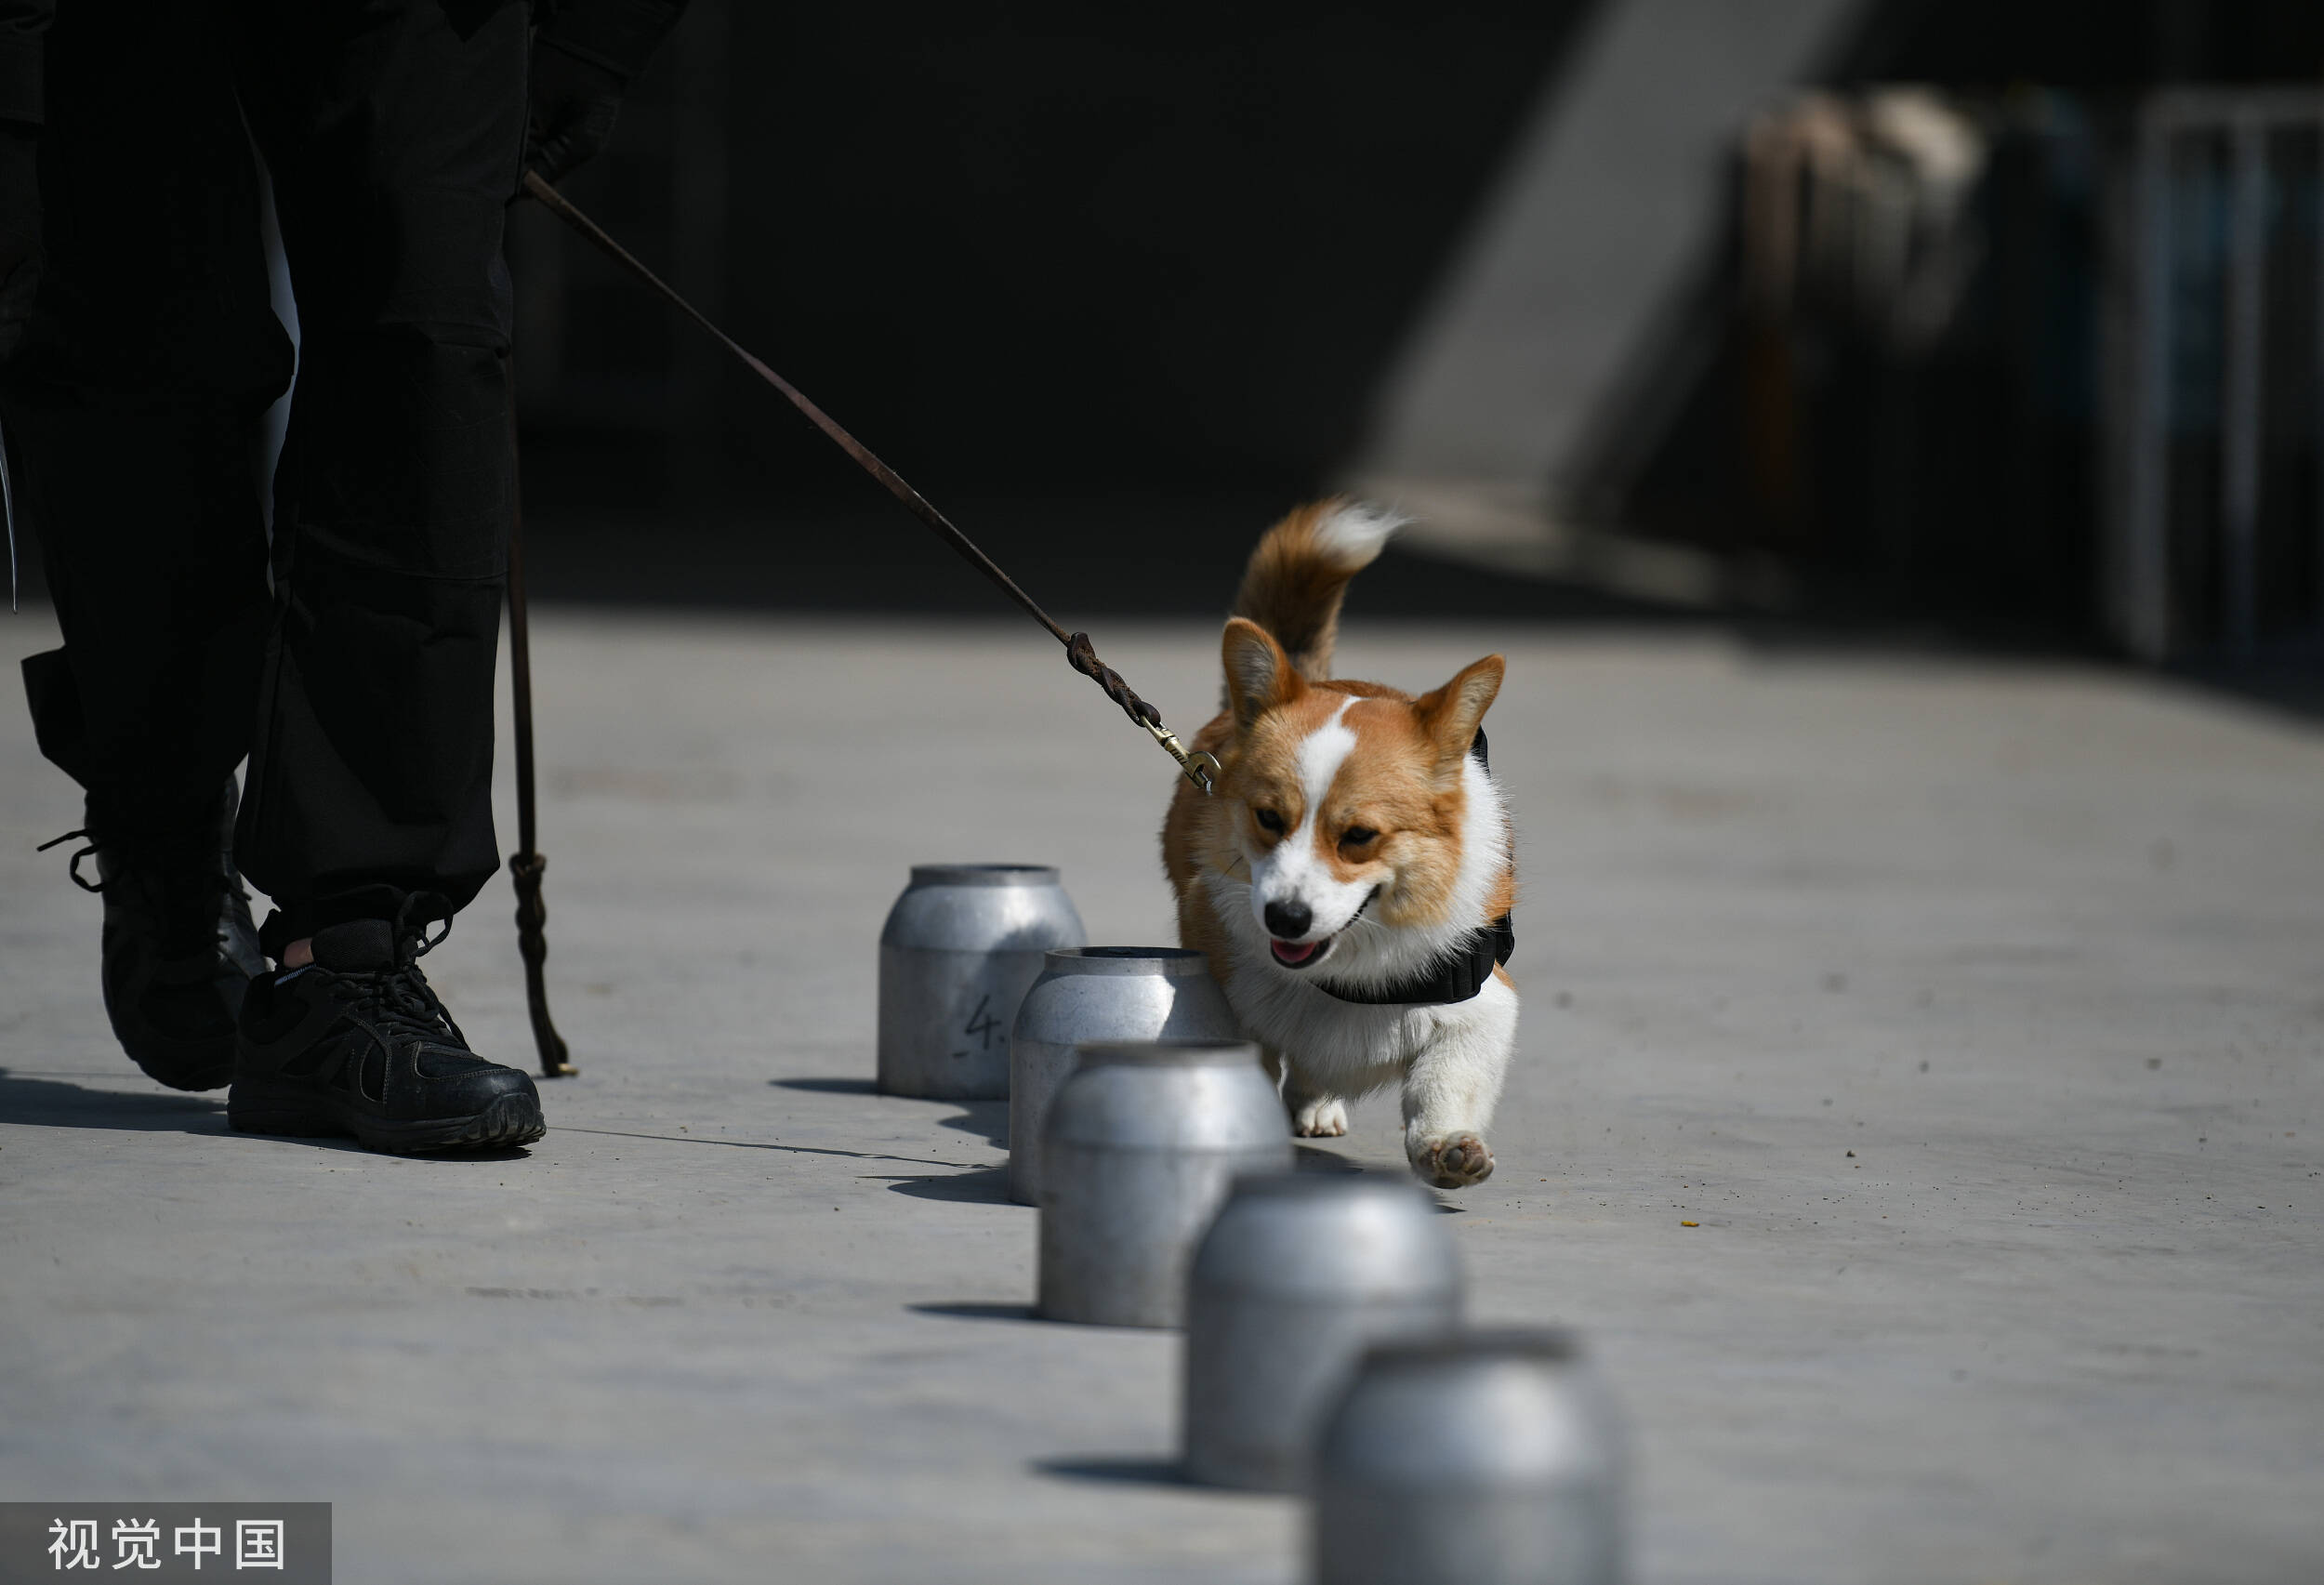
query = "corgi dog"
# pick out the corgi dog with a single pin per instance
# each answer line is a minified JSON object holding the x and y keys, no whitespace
{"x":1350,"y":874}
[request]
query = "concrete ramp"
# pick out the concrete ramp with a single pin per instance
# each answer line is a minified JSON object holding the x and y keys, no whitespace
{"x":1611,"y":202}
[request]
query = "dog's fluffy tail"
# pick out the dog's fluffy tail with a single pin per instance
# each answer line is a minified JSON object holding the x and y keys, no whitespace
{"x":1299,"y":573}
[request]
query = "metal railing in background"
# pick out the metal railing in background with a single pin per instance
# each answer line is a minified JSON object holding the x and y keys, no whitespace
{"x":2216,"y":522}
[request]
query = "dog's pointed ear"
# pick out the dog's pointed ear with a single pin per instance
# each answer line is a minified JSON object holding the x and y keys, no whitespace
{"x":1258,"y":675}
{"x":1452,"y":714}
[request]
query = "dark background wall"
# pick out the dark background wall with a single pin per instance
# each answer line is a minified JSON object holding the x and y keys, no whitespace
{"x":1084,"y":244}
{"x":1112,"y":284}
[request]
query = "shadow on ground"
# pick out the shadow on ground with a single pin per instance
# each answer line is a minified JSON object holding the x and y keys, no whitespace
{"x":1114,"y":1471}
{"x":1104,"y":555}
{"x":987,"y":1119}
{"x":985,"y":1186}
{"x":44,"y":1100}
{"x":2288,"y":687}
{"x":51,"y":1103}
{"x":971,"y":1310}
{"x":760,"y":1144}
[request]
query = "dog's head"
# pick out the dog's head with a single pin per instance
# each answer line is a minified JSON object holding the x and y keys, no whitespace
{"x":1347,"y":800}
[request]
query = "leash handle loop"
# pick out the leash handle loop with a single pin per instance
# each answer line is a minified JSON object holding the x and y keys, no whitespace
{"x":1084,"y":659}
{"x":1202,"y":769}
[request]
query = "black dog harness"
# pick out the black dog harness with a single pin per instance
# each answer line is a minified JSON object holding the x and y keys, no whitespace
{"x":1460,"y":973}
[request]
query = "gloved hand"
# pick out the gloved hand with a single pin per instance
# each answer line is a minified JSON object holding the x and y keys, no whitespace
{"x":20,"y":252}
{"x":575,"y":104}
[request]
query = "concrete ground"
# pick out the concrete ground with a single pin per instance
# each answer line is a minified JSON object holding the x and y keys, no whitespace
{"x":1974,"y":1011}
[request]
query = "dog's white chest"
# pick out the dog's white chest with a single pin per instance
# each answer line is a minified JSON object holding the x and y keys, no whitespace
{"x":1360,"y":1045}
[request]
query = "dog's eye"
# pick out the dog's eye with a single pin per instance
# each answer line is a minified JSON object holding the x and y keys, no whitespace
{"x":1356,"y":836}
{"x":1268,"y":819}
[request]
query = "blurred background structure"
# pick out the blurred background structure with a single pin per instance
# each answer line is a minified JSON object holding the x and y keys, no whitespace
{"x":2004,"y":316}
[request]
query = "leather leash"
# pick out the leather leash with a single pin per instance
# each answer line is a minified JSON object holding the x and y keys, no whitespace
{"x":1199,"y":768}
{"x":527,"y":863}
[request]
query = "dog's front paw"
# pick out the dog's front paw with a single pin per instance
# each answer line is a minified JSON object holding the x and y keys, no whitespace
{"x":1453,"y":1163}
{"x":1321,"y":1118}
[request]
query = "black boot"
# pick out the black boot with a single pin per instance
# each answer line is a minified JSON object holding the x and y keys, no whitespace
{"x":356,"y":1043}
{"x":178,"y":948}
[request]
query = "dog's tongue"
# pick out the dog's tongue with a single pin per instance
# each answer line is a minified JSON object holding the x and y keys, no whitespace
{"x":1293,"y":952}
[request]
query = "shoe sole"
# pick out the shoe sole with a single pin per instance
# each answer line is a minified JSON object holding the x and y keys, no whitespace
{"x":182,"y":1065}
{"x":217,"y":1076}
{"x":510,"y":1119}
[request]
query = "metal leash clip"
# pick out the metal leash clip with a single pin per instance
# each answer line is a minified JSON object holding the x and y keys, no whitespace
{"x":1201,"y":767}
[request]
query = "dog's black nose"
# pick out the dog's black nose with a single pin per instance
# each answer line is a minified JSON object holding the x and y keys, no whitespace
{"x":1285,"y":920}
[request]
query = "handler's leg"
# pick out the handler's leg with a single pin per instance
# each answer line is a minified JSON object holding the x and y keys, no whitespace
{"x":393,"y":137}
{"x":132,"y":415}
{"x":392,"y":128}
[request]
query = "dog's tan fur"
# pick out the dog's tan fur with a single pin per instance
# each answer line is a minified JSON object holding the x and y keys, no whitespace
{"x":1294,"y":585}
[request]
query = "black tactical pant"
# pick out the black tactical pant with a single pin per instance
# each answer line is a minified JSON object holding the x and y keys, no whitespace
{"x":361,"y":687}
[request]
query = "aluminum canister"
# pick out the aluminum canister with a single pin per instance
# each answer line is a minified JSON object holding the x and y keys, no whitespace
{"x":1300,"y":1273}
{"x":1492,"y":1458}
{"x":1142,"y":1144}
{"x":961,"y":946}
{"x":1089,"y":994}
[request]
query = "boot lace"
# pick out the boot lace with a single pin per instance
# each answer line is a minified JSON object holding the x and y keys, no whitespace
{"x":400,"y":1000}
{"x":74,"y":867}
{"x":191,"y":898}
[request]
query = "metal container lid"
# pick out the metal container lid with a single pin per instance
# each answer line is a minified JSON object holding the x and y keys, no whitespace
{"x":1200,"y":1095}
{"x":1343,"y":1237}
{"x":1168,"y":1054}
{"x":1549,"y":1345}
{"x":983,"y":874}
{"x":1496,"y":1409}
{"x":985,"y":908}
{"x":1175,"y":961}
